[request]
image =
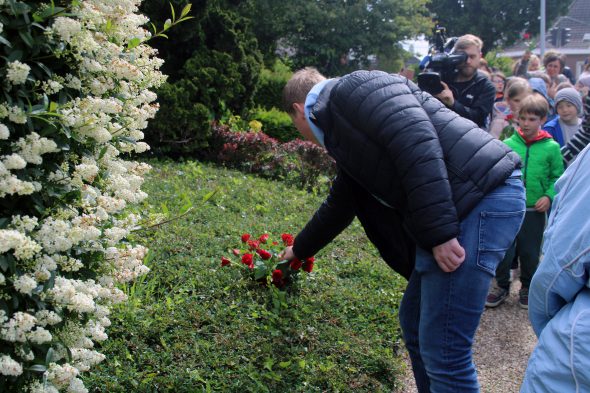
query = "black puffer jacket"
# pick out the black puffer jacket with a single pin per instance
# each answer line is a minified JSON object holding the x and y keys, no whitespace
{"x":406,"y":148}
{"x":383,"y":225}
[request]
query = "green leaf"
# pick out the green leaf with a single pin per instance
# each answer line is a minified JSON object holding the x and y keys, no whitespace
{"x":285,"y":364}
{"x":38,"y":367}
{"x":268,"y":363}
{"x":260,"y":271}
{"x":162,"y":35}
{"x":45,"y":69}
{"x":186,"y":10}
{"x":15,"y":55}
{"x":173,"y":14}
{"x":26,"y":37}
{"x":5,"y":42}
{"x":133,"y":43}
{"x":210,"y":195}
{"x":50,"y":357}
{"x":3,"y":263}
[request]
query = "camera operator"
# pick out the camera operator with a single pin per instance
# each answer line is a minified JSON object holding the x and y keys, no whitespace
{"x":470,"y":94}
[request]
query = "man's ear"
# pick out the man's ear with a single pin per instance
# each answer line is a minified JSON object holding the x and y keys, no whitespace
{"x":299,"y":108}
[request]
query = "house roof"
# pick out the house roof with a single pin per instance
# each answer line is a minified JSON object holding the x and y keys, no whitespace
{"x":577,"y":20}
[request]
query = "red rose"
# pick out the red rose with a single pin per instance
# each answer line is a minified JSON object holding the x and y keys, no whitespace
{"x":263,"y":238}
{"x":509,"y":117}
{"x":287,"y":239}
{"x":253,"y":244}
{"x":263,"y":254}
{"x":308,"y":265}
{"x":245,"y":237}
{"x":295,"y":264}
{"x":247,"y":259}
{"x":275,"y":243}
{"x":236,"y":252}
{"x":526,"y":36}
{"x":225,"y":261}
{"x":277,"y":278}
{"x":310,"y":259}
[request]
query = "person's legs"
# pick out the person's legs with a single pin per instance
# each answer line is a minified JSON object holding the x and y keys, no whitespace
{"x":409,"y":317}
{"x":451,"y":303}
{"x":503,"y":270}
{"x":530,"y":240}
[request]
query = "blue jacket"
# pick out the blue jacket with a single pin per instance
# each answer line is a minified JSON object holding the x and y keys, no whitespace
{"x":559,"y":295}
{"x":553,"y":127}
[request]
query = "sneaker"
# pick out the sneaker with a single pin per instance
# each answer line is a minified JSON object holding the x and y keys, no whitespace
{"x":496,"y":296}
{"x":523,"y":298}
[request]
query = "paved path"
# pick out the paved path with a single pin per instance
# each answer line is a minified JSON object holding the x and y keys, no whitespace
{"x":503,"y":344}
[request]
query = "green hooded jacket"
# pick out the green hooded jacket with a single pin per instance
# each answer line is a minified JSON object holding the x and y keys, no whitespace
{"x":542,"y":165}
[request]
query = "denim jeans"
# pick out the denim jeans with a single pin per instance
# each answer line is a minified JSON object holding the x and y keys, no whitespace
{"x":440,"y":311}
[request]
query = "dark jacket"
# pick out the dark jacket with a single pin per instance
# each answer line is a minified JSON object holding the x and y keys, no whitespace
{"x":476,"y":101}
{"x":383,"y":225}
{"x":404,"y":147}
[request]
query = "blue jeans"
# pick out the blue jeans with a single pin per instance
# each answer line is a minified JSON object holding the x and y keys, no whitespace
{"x":440,"y":311}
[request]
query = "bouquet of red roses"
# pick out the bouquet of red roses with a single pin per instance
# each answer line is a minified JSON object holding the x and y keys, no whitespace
{"x":259,"y":259}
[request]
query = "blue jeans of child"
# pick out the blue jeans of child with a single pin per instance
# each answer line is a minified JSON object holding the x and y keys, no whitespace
{"x":440,"y":311}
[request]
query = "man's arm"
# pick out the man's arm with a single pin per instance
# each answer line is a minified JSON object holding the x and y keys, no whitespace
{"x":481,"y":107}
{"x":333,"y":216}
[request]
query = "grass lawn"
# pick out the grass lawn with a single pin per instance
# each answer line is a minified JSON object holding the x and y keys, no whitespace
{"x":192,"y":326}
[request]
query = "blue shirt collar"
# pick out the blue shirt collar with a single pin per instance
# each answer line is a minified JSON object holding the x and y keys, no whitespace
{"x":310,"y":101}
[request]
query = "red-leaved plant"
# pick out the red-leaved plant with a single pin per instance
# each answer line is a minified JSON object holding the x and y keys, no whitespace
{"x":259,"y":260}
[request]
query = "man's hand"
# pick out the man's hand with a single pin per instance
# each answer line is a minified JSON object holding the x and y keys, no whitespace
{"x":543,"y":204}
{"x":446,"y":96}
{"x":527,"y":55}
{"x":449,"y":255}
{"x":287,"y":254}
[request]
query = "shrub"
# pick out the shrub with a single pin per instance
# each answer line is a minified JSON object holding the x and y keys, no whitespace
{"x":213,"y":71}
{"x":270,"y":85}
{"x":75,"y":83}
{"x":301,"y":162}
{"x":276,"y":124}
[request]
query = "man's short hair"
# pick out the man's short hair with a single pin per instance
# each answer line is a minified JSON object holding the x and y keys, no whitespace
{"x":517,"y":86}
{"x":467,"y":40}
{"x":534,"y":104}
{"x":296,"y":89}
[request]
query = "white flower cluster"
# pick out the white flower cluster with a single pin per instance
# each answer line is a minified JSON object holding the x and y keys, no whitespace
{"x":17,"y":72}
{"x":33,"y":147}
{"x":53,"y":251}
{"x":4,"y":132}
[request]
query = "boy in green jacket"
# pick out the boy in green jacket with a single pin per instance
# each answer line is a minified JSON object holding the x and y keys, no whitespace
{"x":542,"y":166}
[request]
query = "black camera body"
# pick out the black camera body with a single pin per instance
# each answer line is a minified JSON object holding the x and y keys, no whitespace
{"x":440,"y":64}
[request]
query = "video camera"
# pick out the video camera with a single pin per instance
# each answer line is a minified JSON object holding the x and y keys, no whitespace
{"x":440,"y":64}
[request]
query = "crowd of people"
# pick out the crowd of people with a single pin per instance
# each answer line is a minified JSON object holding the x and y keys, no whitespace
{"x":453,"y":190}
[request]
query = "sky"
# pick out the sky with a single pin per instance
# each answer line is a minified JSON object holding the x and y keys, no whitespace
{"x":420,"y":46}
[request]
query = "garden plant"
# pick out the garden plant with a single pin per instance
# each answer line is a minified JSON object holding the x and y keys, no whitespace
{"x":76,"y":79}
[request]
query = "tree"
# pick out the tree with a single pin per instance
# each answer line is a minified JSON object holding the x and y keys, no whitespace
{"x":497,"y":23}
{"x":213,"y":70}
{"x":337,"y":36}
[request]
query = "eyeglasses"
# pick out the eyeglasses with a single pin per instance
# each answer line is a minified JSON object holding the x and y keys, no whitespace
{"x":497,"y":81}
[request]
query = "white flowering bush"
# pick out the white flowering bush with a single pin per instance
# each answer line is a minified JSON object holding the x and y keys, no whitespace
{"x":76,"y":79}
